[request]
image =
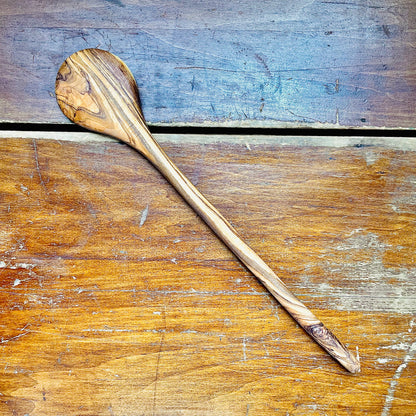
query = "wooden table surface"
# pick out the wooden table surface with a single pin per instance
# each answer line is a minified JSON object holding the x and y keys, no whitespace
{"x":116,"y":299}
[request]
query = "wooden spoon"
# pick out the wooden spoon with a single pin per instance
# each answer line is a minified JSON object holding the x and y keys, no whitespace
{"x":96,"y":90}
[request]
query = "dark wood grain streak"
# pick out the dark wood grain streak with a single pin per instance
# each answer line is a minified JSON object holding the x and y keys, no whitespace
{"x":96,"y":90}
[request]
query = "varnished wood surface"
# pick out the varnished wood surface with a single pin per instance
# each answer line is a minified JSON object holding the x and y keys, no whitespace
{"x":322,"y":64}
{"x":116,"y":299}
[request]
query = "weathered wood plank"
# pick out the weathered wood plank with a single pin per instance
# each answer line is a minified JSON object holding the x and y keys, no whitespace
{"x":240,"y":63}
{"x":116,"y":299}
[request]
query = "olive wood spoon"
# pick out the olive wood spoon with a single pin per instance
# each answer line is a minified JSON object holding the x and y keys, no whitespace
{"x":96,"y":90}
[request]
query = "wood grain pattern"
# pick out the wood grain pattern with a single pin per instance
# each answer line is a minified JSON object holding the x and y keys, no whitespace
{"x":274,"y":64}
{"x":96,"y":90}
{"x":116,"y":299}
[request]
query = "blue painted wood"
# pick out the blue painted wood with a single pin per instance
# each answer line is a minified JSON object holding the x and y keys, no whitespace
{"x":268,"y":64}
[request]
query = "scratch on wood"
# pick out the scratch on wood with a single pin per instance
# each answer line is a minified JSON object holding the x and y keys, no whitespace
{"x":263,"y":62}
{"x":5,"y":341}
{"x":144,"y":215}
{"x":16,"y":266}
{"x":162,"y":340}
{"x":395,"y":379}
{"x":244,"y":349}
{"x":35,"y":148}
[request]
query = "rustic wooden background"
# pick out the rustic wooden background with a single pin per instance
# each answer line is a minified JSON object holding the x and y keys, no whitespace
{"x":115,"y":298}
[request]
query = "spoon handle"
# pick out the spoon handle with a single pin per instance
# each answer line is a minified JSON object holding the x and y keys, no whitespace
{"x":303,"y":316}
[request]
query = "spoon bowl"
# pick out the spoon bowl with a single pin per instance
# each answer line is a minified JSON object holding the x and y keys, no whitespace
{"x":96,"y":90}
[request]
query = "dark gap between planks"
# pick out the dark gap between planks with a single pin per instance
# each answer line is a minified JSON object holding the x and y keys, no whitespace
{"x":247,"y":131}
